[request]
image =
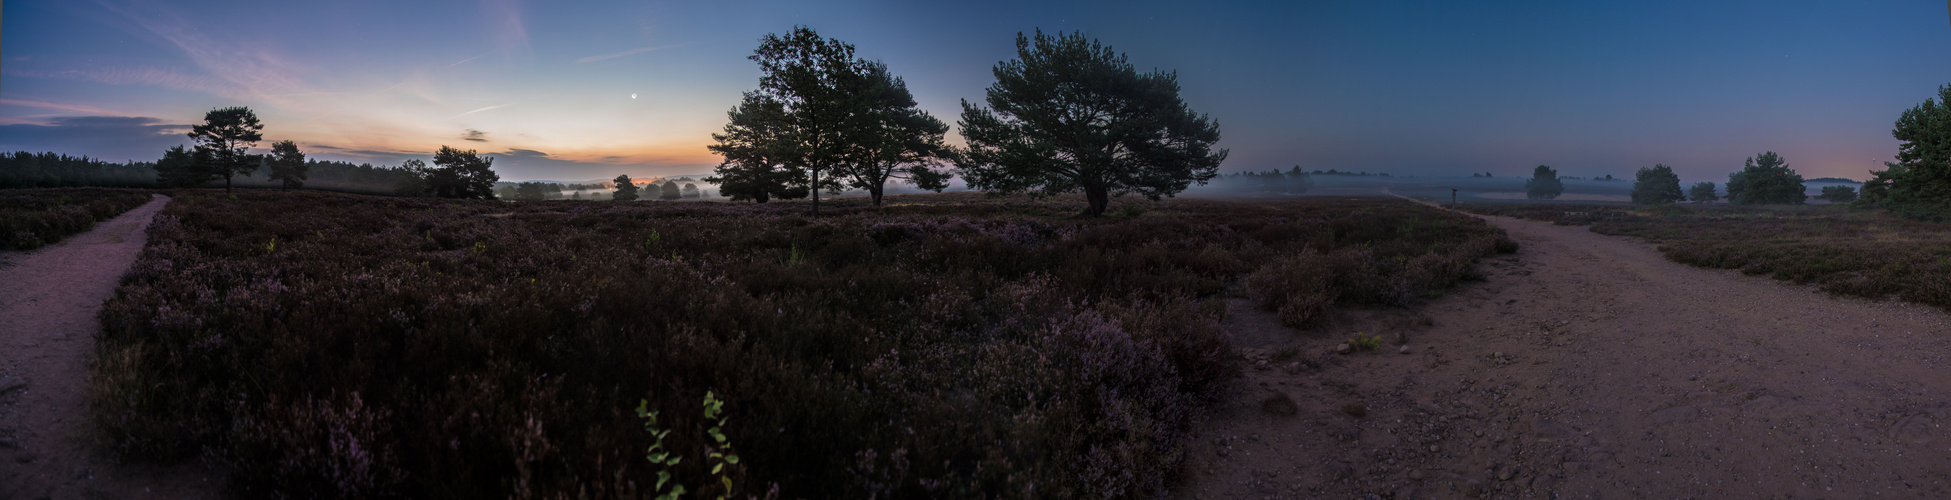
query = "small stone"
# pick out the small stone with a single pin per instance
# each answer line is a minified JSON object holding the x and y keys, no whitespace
{"x":1506,"y":473}
{"x":1260,"y":365}
{"x":1294,"y":367}
{"x":1403,"y":350}
{"x":1344,"y":349}
{"x":1222,"y":452}
{"x":1416,"y":475}
{"x":1433,"y":448}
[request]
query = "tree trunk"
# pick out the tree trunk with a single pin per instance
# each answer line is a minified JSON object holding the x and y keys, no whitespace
{"x":227,"y":184}
{"x":1099,"y":197}
{"x":875,"y":193}
{"x":816,"y":192}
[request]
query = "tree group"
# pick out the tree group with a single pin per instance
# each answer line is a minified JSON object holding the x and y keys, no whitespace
{"x":1918,"y":184}
{"x":1068,"y":115}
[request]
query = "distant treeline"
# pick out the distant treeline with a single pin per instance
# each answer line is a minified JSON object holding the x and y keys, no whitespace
{"x":31,"y":170}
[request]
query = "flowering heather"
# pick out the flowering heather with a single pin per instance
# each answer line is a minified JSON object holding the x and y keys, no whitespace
{"x":1843,"y":250}
{"x":30,"y":218}
{"x":328,"y":345}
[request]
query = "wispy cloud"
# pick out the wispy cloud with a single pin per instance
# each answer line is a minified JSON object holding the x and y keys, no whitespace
{"x":476,"y":56}
{"x":138,"y":76}
{"x":475,"y":135}
{"x":253,"y":69}
{"x":638,"y":50}
{"x":59,"y":106}
{"x":498,"y":106}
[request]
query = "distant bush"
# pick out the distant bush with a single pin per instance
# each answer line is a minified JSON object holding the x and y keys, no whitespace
{"x":1657,"y":185}
{"x":1544,"y":184}
{"x":945,"y":346}
{"x":1838,"y":194}
{"x":1703,"y":192}
{"x":1766,"y":180}
{"x":31,"y":218}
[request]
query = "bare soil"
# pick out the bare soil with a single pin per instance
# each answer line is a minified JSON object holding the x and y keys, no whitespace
{"x":1588,"y":366}
{"x":49,"y":299}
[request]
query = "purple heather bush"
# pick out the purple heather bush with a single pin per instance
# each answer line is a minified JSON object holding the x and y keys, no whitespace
{"x":343,"y":346}
{"x":31,"y":218}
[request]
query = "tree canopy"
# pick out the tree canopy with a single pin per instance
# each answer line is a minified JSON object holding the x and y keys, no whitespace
{"x":1657,"y":186}
{"x":1069,"y":114}
{"x":893,"y":139}
{"x":1544,"y":184}
{"x":1766,"y":179}
{"x":1703,"y":192}
{"x":224,"y":140}
{"x":287,"y":164}
{"x":626,"y":189}
{"x":462,"y":174}
{"x":756,"y":146}
{"x":1918,"y":184}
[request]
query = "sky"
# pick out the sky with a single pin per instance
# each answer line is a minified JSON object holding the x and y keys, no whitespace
{"x":590,"y":89}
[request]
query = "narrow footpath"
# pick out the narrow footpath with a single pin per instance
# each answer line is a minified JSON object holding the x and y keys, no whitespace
{"x":1589,"y":366}
{"x":49,"y":304}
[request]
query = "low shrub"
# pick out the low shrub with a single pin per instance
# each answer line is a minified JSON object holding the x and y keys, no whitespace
{"x":32,"y":218}
{"x":326,"y":345}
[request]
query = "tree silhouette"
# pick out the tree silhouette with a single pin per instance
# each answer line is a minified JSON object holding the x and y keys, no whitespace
{"x":811,"y":78}
{"x":690,"y":190}
{"x":670,"y":191}
{"x":287,"y":164}
{"x":531,"y":191}
{"x":1918,"y":184}
{"x":461,"y":174}
{"x":756,"y":146}
{"x":1544,"y":184}
{"x":1657,"y":186}
{"x":224,"y":139}
{"x":1703,"y":192}
{"x":894,"y":140}
{"x":183,"y":168}
{"x":626,"y":190}
{"x":1070,"y":114}
{"x":1766,"y":179}
{"x":412,"y":181}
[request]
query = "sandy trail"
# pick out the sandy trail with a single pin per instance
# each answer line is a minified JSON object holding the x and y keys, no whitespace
{"x":49,"y":299}
{"x":1589,"y":366}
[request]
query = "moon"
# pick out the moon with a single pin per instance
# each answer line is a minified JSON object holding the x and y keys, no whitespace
{"x":633,"y":96}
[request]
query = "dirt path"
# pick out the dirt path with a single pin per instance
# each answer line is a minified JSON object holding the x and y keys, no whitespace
{"x":1589,"y":366}
{"x":48,"y":304}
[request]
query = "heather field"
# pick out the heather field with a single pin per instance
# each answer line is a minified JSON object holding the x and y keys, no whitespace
{"x":328,"y":345}
{"x":31,"y":218}
{"x":1843,"y":250}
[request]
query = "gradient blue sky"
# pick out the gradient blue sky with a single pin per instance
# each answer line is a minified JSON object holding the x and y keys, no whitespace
{"x":1418,"y":88}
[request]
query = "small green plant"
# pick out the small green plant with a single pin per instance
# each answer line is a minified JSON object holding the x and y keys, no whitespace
{"x":1365,"y":342}
{"x":794,"y":258}
{"x":719,"y":453}
{"x":271,"y":246}
{"x":480,"y":247}
{"x":654,"y":236}
{"x":658,"y":455}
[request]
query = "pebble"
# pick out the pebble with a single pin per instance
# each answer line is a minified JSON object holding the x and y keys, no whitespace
{"x":1403,"y":350}
{"x":1344,"y":349}
{"x":1416,"y":475}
